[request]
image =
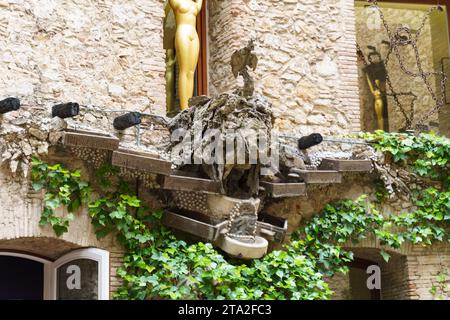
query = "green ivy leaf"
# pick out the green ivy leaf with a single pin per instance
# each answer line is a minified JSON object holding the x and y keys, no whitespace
{"x":37,"y":185}
{"x":386,"y":256}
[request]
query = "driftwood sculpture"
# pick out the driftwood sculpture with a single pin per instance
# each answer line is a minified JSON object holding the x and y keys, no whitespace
{"x":241,"y":61}
{"x":230,"y":116}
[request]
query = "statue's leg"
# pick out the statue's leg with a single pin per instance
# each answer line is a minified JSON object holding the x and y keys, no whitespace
{"x":182,"y":44}
{"x":379,"y":112}
{"x":193,"y":61}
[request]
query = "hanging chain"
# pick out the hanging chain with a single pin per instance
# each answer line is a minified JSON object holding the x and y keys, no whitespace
{"x":360,"y":54}
{"x":234,"y":214}
{"x":403,"y":37}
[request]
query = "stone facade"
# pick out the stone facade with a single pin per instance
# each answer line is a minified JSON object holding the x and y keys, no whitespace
{"x":110,"y":54}
{"x":411,"y":271}
{"x":107,"y":53}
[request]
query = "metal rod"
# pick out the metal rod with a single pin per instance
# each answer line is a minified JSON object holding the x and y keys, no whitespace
{"x":325,"y":139}
{"x":138,"y":135}
{"x":151,"y":115}
{"x":344,"y":141}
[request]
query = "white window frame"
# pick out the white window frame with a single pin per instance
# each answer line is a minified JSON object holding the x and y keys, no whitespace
{"x":51,"y":269}
{"x":101,"y":256}
{"x":47,"y":268}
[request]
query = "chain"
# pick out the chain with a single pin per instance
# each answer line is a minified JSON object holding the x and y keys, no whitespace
{"x":403,"y":37}
{"x":360,"y":54}
{"x":235,"y":214}
{"x":395,"y":95}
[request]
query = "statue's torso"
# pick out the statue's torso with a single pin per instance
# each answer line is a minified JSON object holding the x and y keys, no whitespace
{"x":186,"y":13}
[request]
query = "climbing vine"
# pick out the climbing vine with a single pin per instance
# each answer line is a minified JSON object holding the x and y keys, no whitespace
{"x":158,"y":265}
{"x":427,"y":154}
{"x":62,"y":188}
{"x":427,"y":157}
{"x":440,"y":290}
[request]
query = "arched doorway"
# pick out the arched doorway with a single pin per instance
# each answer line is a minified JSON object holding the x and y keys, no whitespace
{"x":368,"y":265}
{"x":358,"y":280}
{"x":22,"y":276}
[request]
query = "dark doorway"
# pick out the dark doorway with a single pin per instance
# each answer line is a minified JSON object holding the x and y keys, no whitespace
{"x":358,"y":277}
{"x":21,"y":279}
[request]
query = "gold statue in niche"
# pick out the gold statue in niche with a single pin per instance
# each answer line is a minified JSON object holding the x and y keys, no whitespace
{"x":169,"y":45}
{"x":187,"y":45}
{"x":378,"y":104}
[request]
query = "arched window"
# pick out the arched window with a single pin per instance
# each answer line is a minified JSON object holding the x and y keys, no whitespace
{"x":82,"y":274}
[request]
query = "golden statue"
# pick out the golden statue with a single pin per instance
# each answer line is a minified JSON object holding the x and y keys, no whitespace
{"x":187,"y":45}
{"x":169,"y":46}
{"x":379,"y":104}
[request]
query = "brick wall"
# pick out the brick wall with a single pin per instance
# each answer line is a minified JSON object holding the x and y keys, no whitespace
{"x":394,"y":278}
{"x":424,"y":265}
{"x":409,"y":274}
{"x":340,"y":285}
{"x":20,"y":231}
{"x":115,"y":262}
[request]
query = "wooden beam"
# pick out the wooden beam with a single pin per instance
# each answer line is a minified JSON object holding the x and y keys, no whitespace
{"x":180,"y":183}
{"x":320,"y":176}
{"x":141,"y":162}
{"x":202,"y":66}
{"x":87,"y":132}
{"x":346,"y":165}
{"x":284,"y":190}
{"x":192,"y":226}
{"x":90,"y":140}
{"x":271,"y":232}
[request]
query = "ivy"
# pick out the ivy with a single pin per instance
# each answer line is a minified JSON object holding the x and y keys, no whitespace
{"x":381,"y":194}
{"x":159,"y":265}
{"x":119,"y":211}
{"x":426,"y":154}
{"x":62,"y":188}
{"x":440,"y":290}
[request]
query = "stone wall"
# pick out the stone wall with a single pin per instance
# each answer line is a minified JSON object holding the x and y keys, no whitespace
{"x":411,"y":271}
{"x":370,"y":31}
{"x":307,"y":55}
{"x":107,"y":53}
